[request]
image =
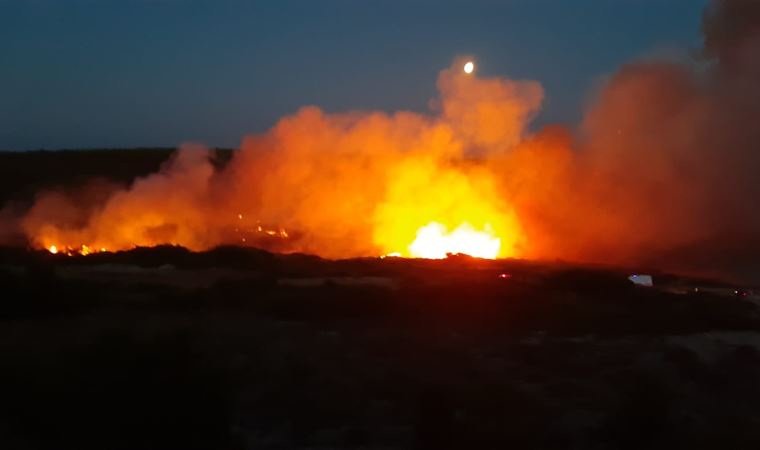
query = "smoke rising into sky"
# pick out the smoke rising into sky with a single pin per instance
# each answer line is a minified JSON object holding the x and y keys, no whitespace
{"x":130,"y":73}
{"x":661,"y":171}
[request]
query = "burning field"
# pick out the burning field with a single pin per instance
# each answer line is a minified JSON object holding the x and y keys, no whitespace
{"x":335,"y":185}
{"x":662,"y":171}
{"x":454,"y":279}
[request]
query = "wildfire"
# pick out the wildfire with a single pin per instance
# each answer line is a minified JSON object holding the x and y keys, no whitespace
{"x":435,"y":242}
{"x":336,"y":185}
{"x":260,"y":229}
{"x":82,"y":250}
{"x":470,"y":176}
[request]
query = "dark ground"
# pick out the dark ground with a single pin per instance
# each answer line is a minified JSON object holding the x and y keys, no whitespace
{"x":242,"y":349}
{"x":235,"y":348}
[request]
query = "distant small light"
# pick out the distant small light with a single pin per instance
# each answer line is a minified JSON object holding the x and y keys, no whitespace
{"x":469,"y":67}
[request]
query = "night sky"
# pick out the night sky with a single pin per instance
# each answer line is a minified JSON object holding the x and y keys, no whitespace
{"x":124,"y":73}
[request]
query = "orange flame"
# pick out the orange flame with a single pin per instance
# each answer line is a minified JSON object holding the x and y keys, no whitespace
{"x":663,"y":146}
{"x":339,"y":185}
{"x":433,"y":241}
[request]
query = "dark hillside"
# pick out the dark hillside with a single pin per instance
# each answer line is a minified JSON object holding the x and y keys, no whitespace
{"x":243,"y":349}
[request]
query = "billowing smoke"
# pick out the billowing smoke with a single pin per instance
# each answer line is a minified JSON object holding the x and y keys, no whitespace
{"x":673,"y":152}
{"x":338,"y":185}
{"x":662,"y":171}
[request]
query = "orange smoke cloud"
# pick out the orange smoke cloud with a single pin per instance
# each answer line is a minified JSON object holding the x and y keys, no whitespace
{"x":662,"y":171}
{"x":170,"y":207}
{"x":339,"y":185}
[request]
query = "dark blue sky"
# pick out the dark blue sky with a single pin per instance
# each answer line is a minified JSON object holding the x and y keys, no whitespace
{"x":122,"y":73}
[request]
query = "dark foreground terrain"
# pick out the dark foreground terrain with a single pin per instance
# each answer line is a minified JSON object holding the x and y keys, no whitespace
{"x":242,"y":349}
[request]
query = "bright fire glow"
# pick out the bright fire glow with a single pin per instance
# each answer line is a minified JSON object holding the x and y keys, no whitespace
{"x":435,"y":242}
{"x":335,"y":185}
{"x":83,"y":250}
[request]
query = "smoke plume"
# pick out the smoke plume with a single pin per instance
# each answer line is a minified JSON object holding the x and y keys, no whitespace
{"x":662,"y":171}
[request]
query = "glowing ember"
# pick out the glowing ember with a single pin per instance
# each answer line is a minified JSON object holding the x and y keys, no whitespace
{"x":82,"y":250}
{"x":435,"y":242}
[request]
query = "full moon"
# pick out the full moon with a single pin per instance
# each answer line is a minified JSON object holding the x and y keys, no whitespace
{"x":469,"y":66}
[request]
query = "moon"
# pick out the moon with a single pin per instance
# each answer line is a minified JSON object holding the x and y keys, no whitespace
{"x":469,"y":67}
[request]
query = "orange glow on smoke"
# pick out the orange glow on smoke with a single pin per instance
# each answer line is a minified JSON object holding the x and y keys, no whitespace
{"x":660,"y":172}
{"x":335,"y":185}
